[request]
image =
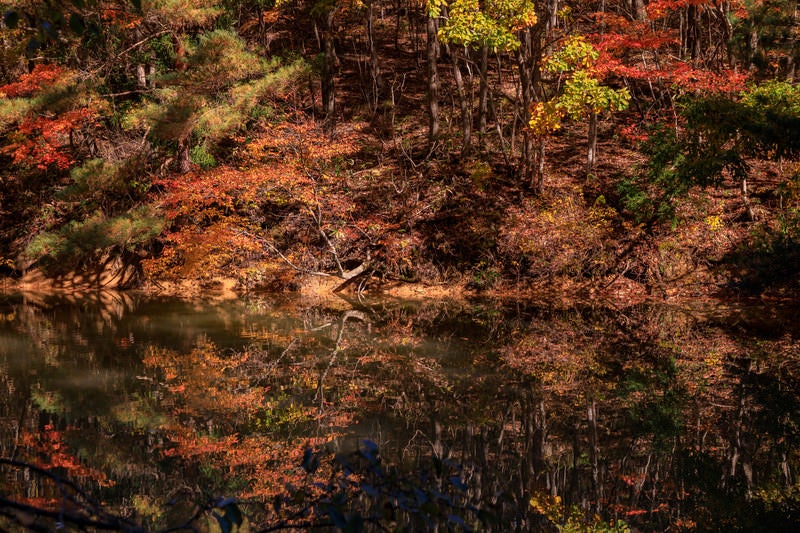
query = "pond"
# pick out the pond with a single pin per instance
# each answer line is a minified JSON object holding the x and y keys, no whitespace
{"x":119,"y":409}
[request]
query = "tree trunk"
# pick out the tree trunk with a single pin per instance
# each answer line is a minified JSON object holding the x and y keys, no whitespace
{"x":597,"y":487}
{"x":592,"y":152}
{"x":751,"y":216}
{"x":141,"y":76}
{"x":463,"y":103}
{"x":692,"y":32}
{"x":531,"y":165}
{"x":483,"y":94}
{"x":535,"y":152}
{"x":328,"y":69}
{"x":184,"y":157}
{"x":374,"y":64}
{"x":640,"y":10}
{"x":432,"y":50}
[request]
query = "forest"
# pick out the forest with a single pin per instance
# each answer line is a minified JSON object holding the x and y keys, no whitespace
{"x":605,"y":157}
{"x":627,"y":149}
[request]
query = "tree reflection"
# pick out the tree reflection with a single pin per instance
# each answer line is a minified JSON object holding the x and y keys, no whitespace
{"x":511,"y":417}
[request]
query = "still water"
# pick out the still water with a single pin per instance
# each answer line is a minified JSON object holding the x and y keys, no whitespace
{"x":495,"y":415}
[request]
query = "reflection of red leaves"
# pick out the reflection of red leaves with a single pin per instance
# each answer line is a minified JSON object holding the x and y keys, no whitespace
{"x":50,"y":451}
{"x":212,"y":386}
{"x":632,"y":479}
{"x":187,"y":446}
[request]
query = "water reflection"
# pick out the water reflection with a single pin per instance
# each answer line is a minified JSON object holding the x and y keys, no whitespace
{"x":662,"y":417}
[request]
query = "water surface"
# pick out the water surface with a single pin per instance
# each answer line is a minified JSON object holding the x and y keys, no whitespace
{"x":664,"y":417}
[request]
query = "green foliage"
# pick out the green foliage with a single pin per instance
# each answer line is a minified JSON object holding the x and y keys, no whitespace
{"x":185,"y":14}
{"x":582,"y":94}
{"x":81,"y":239}
{"x":674,"y":165}
{"x":13,"y":110}
{"x":95,"y":178}
{"x":202,"y":157}
{"x":213,"y":100}
{"x":218,"y":61}
{"x":719,"y":134}
{"x":163,"y":51}
{"x":575,"y":54}
{"x":772,"y":120}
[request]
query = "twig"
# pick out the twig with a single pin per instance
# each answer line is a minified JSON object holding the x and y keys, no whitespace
{"x":131,"y":47}
{"x":285,"y":259}
{"x":318,"y":220}
{"x":346,"y":275}
{"x":70,"y":493}
{"x":126,"y":93}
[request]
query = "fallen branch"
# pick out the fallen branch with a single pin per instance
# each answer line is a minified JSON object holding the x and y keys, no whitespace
{"x":347,"y":275}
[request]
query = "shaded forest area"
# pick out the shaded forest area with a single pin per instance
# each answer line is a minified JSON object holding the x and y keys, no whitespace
{"x":625,"y":148}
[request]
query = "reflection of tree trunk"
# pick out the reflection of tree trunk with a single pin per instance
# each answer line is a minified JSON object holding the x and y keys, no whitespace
{"x":640,"y":481}
{"x":347,"y":315}
{"x":786,"y":470}
{"x":739,"y":444}
{"x":574,"y":494}
{"x":539,"y":438}
{"x":433,"y":81}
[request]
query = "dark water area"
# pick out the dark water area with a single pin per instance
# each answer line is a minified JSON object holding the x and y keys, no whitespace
{"x":496,"y":415}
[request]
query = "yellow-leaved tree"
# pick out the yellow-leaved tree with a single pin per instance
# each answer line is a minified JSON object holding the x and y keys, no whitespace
{"x":580,"y":95}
